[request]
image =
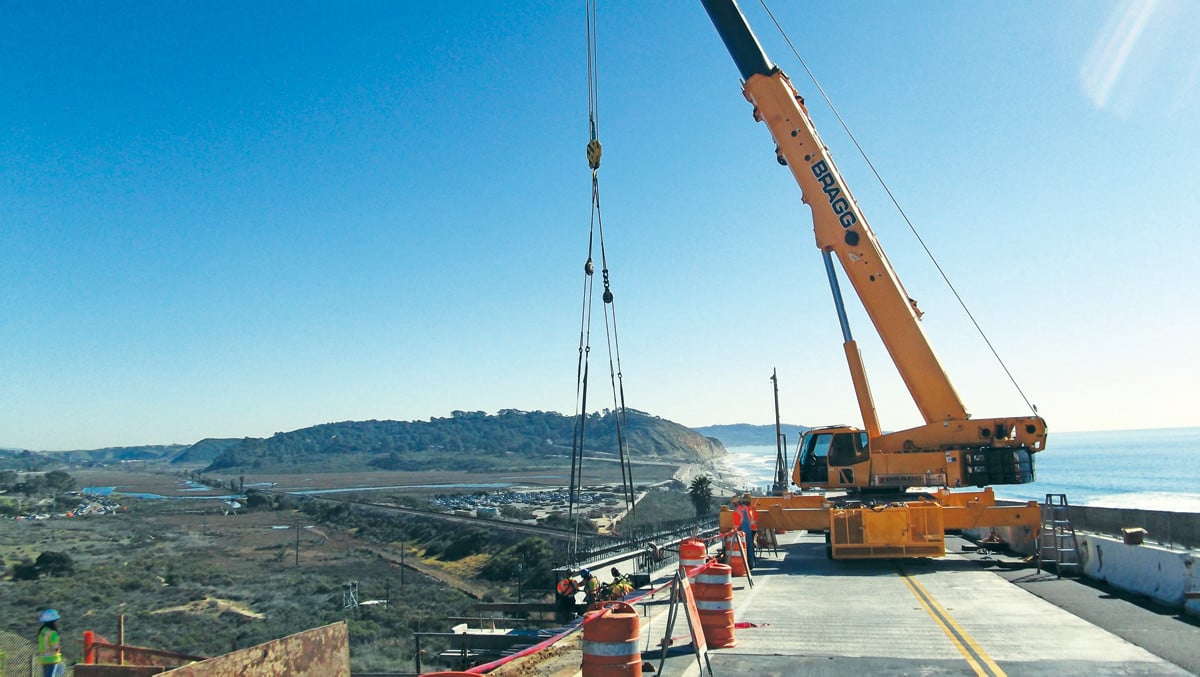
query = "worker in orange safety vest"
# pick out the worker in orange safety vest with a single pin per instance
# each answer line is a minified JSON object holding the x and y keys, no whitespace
{"x":564,"y":600}
{"x":745,"y":519}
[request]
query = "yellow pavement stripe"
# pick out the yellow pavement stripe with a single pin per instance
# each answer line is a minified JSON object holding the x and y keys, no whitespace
{"x":983,"y":656}
{"x":954,"y":640}
{"x":952,"y":629}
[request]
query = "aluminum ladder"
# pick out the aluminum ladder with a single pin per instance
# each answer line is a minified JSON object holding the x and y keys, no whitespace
{"x":1056,"y":538}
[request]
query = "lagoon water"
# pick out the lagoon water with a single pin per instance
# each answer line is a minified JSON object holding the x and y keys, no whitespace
{"x":1149,"y":469}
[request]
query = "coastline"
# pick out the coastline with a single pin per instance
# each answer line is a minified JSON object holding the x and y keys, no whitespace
{"x":726,"y":479}
{"x":1108,"y":474}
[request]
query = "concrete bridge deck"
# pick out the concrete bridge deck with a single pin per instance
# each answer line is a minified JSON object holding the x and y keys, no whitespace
{"x":950,"y":616}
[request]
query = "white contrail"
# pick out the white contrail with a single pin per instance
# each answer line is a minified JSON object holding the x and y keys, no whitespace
{"x":1109,"y":54}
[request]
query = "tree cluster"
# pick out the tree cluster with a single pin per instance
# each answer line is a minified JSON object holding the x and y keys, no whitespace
{"x":51,"y":483}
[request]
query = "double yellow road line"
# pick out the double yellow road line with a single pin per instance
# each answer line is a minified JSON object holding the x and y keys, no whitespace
{"x":976,"y":657}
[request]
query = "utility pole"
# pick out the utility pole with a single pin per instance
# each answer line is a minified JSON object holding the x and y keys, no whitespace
{"x":781,"y":484}
{"x":417,"y":641}
{"x":297,"y":542}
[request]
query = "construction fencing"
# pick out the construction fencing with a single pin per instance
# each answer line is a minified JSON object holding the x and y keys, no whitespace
{"x":592,"y":548}
{"x":18,"y":655}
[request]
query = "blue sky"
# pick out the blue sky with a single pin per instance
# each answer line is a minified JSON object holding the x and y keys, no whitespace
{"x":226,"y":219}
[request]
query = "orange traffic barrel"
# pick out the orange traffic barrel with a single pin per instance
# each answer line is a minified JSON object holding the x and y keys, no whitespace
{"x":733,"y":553}
{"x":714,"y":601}
{"x":692,"y":553}
{"x":610,"y":642}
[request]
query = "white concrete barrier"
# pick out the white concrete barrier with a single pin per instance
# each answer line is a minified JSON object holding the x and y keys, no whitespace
{"x":1169,"y":577}
{"x":1166,"y":576}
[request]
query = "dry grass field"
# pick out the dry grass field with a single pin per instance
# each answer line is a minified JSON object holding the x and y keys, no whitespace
{"x":190,"y":578}
{"x":197,"y":582}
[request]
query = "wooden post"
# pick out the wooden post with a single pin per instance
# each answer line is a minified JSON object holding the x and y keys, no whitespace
{"x":121,"y":639}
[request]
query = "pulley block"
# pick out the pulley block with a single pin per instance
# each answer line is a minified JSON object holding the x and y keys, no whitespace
{"x":593,"y":153}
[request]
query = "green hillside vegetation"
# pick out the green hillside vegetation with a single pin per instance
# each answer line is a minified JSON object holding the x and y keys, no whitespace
{"x":203,"y":451}
{"x":37,"y":460}
{"x":474,"y":441}
{"x":23,"y":459}
{"x":149,"y":452}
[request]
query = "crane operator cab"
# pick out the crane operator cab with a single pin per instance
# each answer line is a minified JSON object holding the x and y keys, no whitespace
{"x":840,"y":457}
{"x":830,"y":457}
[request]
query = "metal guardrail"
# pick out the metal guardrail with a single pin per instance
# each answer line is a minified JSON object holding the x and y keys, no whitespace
{"x":1169,"y":529}
{"x":652,"y":548}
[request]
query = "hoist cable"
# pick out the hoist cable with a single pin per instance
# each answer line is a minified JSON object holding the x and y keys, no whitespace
{"x":585,"y":320}
{"x":581,"y":378}
{"x":581,"y":383}
{"x":616,"y":378}
{"x":896,"y":203}
{"x":596,"y":232}
{"x":592,"y":70}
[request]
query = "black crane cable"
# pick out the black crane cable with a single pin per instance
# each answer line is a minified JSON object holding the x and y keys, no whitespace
{"x":596,"y":229}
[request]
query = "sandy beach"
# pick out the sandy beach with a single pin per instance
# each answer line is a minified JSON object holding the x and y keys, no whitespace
{"x":726,"y":480}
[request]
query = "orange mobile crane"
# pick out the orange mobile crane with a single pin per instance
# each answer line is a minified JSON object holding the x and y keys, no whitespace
{"x":874,"y":513}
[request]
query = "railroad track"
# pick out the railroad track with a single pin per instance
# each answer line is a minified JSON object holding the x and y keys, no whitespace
{"x":604,"y":549}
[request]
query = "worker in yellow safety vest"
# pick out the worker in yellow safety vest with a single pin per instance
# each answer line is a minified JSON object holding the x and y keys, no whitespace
{"x":49,"y":651}
{"x":591,"y":587}
{"x":620,"y":585}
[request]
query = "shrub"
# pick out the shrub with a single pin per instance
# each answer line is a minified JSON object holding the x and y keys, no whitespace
{"x":529,"y":559}
{"x":465,"y":544}
{"x":55,"y":564}
{"x":258,"y":499}
{"x":25,"y":571}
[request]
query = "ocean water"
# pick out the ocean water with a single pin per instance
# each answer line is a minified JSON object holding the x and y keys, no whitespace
{"x":1149,"y":469}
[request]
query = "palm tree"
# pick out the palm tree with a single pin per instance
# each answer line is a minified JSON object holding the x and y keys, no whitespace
{"x":701,"y":493}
